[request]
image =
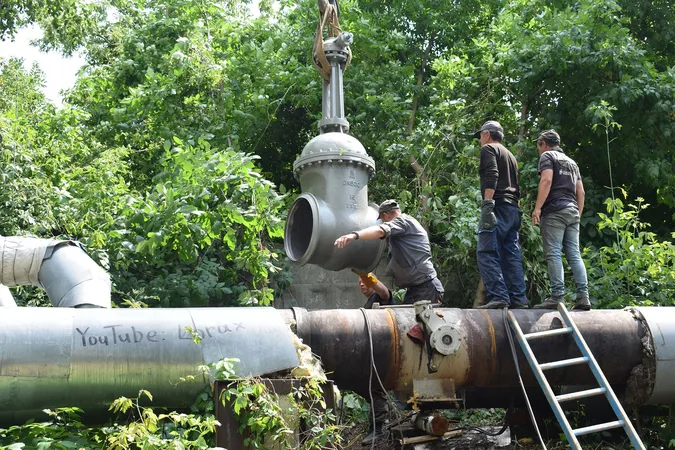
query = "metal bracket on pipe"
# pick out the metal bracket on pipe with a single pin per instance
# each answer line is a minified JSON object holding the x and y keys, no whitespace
{"x":440,"y":336}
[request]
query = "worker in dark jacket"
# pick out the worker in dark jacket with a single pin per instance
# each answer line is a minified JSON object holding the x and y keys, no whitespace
{"x":500,"y":261}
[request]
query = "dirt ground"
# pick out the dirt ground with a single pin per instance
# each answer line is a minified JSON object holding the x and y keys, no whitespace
{"x":352,"y":441}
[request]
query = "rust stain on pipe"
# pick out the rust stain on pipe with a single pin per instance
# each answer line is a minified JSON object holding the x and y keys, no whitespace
{"x":493,"y":341}
{"x":484,"y":359}
{"x":395,"y":359}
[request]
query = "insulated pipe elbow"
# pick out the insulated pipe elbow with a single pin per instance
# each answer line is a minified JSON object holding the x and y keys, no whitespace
{"x":72,"y":279}
{"x":333,"y":170}
{"x":68,"y":275}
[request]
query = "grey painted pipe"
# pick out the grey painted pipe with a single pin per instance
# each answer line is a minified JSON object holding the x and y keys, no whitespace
{"x":56,"y":357}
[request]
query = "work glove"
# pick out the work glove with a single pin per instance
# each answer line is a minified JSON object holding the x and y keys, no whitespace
{"x":488,"y":220}
{"x":368,"y":279}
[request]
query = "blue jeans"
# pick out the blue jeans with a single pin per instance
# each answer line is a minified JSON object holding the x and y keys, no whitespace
{"x":500,"y":261}
{"x":560,"y":232}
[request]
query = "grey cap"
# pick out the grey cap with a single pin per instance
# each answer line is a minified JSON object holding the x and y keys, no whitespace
{"x":550,"y":136}
{"x":490,"y":125}
{"x":387,"y":205}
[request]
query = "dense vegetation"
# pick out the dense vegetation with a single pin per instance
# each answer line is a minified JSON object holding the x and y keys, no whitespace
{"x":171,"y":157}
{"x":172,"y":152}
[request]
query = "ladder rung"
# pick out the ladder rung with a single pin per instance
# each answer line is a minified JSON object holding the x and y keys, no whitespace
{"x":539,"y":334}
{"x":580,"y":394}
{"x":598,"y":428}
{"x":564,"y":363}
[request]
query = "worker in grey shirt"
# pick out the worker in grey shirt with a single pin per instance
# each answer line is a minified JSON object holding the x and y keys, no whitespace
{"x":560,"y":202}
{"x":409,"y":252}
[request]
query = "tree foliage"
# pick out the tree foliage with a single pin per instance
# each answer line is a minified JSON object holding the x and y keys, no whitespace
{"x":159,"y":161}
{"x":171,"y":159}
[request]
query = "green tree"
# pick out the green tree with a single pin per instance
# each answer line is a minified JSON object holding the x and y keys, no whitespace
{"x":543,"y":65}
{"x":65,"y":23}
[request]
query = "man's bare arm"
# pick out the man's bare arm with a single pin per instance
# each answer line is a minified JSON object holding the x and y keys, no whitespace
{"x":545,"y":181}
{"x":370,"y":233}
{"x":581,"y":196}
{"x":382,"y":290}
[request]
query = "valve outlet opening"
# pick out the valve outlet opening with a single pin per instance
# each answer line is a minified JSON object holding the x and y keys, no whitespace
{"x":300,"y":229}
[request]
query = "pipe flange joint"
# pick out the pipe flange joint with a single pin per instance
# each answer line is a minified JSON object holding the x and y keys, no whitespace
{"x":338,"y":47}
{"x":445,"y":339}
{"x":335,"y":157}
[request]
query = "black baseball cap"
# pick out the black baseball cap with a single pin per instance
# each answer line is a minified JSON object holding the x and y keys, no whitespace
{"x":490,"y":125}
{"x":549,"y":136}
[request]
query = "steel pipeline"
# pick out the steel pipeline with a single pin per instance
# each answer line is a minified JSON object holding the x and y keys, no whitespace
{"x":484,"y":361}
{"x":56,"y":357}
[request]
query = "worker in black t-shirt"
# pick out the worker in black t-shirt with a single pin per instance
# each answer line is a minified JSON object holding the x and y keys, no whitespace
{"x":560,"y":203}
{"x":499,"y":258}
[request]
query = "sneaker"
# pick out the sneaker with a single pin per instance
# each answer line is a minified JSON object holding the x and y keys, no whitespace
{"x":519,"y":306}
{"x":549,"y":303}
{"x":494,"y":304}
{"x":582,"y":304}
{"x":374,"y":435}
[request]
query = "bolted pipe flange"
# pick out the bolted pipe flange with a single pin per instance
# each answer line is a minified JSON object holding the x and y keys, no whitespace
{"x":445,"y":340}
{"x":337,"y":48}
{"x":443,"y":337}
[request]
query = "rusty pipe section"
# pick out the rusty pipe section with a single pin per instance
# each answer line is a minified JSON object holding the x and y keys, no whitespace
{"x":333,"y":170}
{"x":621,"y":341}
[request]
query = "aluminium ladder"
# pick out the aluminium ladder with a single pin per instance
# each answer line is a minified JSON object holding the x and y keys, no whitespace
{"x":587,"y":358}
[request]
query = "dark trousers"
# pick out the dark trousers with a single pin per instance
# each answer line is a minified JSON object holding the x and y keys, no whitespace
{"x":431,"y":290}
{"x":500,"y":260}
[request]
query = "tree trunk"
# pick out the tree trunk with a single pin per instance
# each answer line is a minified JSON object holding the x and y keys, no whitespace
{"x":416,"y":166}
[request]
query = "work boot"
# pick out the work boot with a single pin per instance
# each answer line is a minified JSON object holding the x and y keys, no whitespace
{"x":550,"y":303}
{"x":494,"y":304}
{"x":582,"y":304}
{"x":374,"y":436}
